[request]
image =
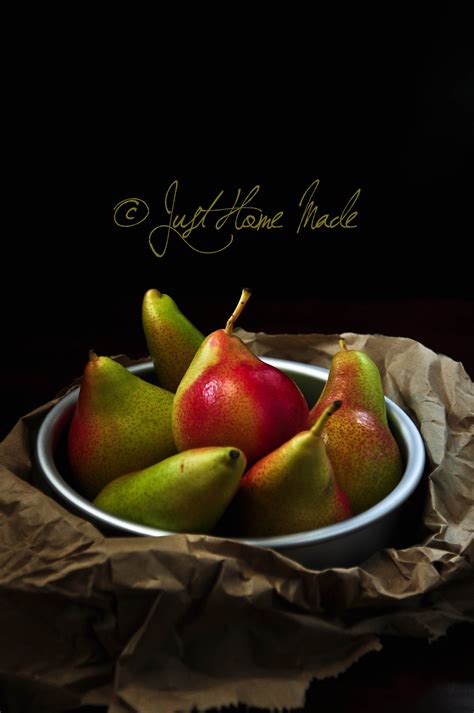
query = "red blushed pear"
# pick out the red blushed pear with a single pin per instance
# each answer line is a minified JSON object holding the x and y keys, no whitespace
{"x":292,"y":489}
{"x":360,"y":445}
{"x":228,"y":395}
{"x":120,"y":423}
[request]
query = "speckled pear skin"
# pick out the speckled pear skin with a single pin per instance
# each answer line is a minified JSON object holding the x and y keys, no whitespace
{"x":187,"y":492}
{"x":364,"y":454}
{"x":120,"y":423}
{"x":292,"y":489}
{"x":228,"y":395}
{"x":171,"y":338}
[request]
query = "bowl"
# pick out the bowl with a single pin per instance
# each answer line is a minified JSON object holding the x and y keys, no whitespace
{"x":343,"y":544}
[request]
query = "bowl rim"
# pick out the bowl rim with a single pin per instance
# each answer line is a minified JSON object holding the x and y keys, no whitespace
{"x":54,"y":420}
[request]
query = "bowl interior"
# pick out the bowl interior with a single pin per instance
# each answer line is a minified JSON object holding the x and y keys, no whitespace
{"x":52,"y":461}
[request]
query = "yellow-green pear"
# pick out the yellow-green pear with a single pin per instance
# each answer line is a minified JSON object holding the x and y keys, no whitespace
{"x":171,"y":338}
{"x":187,"y":492}
{"x":120,"y":423}
{"x":365,"y":455}
{"x":292,"y":489}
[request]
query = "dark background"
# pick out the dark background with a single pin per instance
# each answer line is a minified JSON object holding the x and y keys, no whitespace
{"x":383,"y":103}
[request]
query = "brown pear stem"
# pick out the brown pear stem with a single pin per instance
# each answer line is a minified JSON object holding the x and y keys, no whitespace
{"x":244,"y":298}
{"x":92,"y":355}
{"x":318,"y":426}
{"x":342,"y":345}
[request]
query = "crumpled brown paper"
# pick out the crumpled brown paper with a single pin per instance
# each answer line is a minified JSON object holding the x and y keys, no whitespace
{"x":147,"y":624}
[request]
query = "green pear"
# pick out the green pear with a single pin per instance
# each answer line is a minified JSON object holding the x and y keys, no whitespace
{"x":120,"y":423}
{"x":364,"y":454}
{"x":187,"y":492}
{"x":229,"y":395}
{"x":292,"y":489}
{"x":171,"y":338}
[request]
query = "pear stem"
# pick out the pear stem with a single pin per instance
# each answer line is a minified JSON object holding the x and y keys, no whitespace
{"x":342,"y":345}
{"x":318,"y":426}
{"x":92,"y":355}
{"x":244,"y":298}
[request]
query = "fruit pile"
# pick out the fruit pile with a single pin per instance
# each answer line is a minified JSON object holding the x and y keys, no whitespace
{"x":227,"y":441}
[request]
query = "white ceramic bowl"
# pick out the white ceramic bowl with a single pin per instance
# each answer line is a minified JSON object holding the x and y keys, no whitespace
{"x":343,"y":544}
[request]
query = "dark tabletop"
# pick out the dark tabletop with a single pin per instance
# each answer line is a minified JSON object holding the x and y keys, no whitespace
{"x":408,"y":675}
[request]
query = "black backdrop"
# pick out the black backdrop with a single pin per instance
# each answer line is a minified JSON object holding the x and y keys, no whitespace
{"x":382,"y":104}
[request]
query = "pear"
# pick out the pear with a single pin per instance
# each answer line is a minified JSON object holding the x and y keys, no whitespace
{"x":120,"y":423}
{"x":292,"y":489}
{"x":228,"y":395}
{"x":360,"y":445}
{"x":187,"y":492}
{"x":171,"y":338}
